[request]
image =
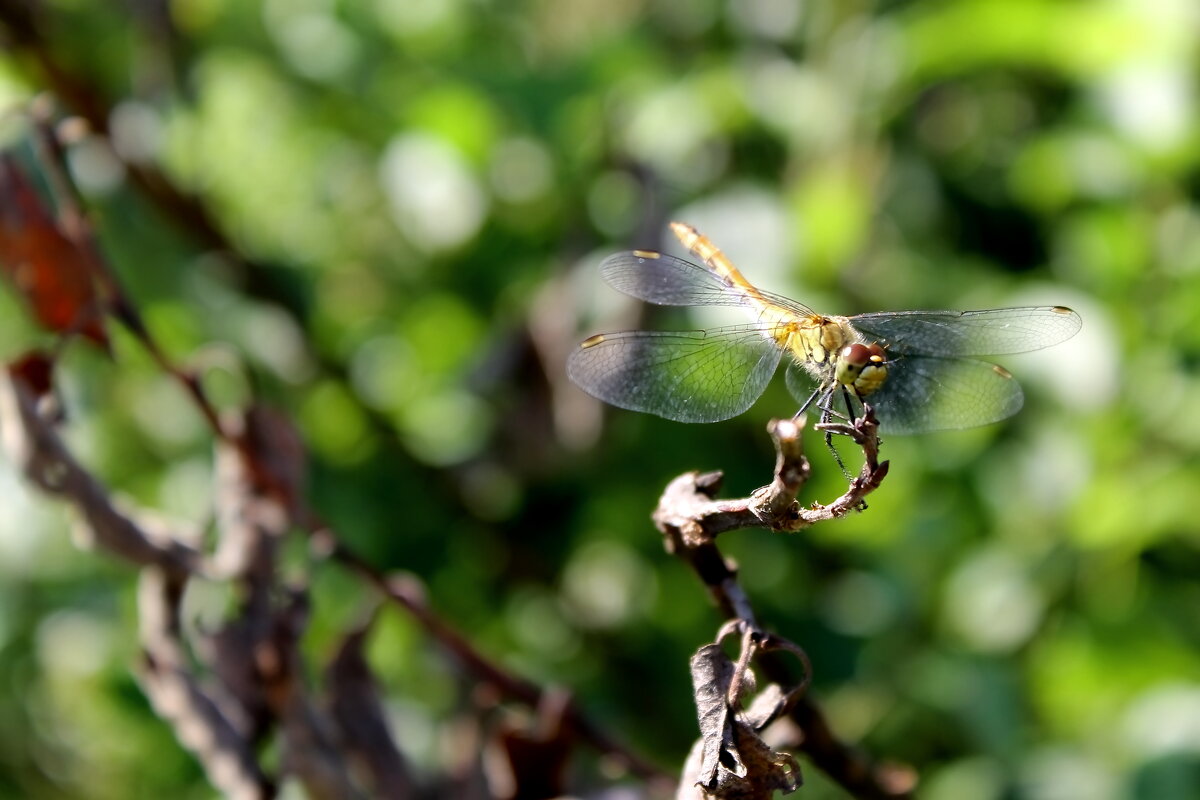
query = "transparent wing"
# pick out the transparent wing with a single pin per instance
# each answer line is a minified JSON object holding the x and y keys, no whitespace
{"x":933,"y":394}
{"x":687,"y":376}
{"x":669,"y":281}
{"x":992,"y":332}
{"x":800,"y":382}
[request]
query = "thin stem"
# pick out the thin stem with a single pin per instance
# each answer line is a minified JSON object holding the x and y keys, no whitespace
{"x":690,"y":519}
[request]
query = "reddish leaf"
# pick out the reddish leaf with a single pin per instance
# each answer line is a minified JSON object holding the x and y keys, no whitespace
{"x":46,"y":267}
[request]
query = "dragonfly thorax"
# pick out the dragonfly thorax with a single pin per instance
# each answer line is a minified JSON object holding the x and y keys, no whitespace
{"x":833,"y":352}
{"x":814,"y":340}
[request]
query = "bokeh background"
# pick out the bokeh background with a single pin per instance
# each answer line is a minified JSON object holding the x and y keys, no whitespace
{"x":408,"y":201}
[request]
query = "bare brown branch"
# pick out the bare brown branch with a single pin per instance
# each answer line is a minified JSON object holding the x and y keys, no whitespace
{"x":32,"y":442}
{"x":408,"y":592}
{"x":76,"y":225}
{"x":217,"y":741}
{"x":263,"y":638}
{"x":689,"y":511}
{"x":690,"y":519}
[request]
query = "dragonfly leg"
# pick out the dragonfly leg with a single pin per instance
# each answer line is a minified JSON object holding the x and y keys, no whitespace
{"x":807,"y":403}
{"x":828,"y":411}
{"x":827,"y":414}
{"x":851,"y":416}
{"x":836,"y":455}
{"x":825,"y":401}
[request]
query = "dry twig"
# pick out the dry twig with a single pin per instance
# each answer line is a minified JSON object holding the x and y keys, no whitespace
{"x":263,"y":688}
{"x":690,"y":519}
{"x":252,"y":663}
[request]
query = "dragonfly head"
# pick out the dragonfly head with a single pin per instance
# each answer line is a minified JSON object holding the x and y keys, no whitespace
{"x":862,"y":367}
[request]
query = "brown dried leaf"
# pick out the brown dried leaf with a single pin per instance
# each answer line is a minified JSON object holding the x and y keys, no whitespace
{"x":357,"y":710}
{"x":766,"y":707}
{"x":256,"y":492}
{"x":712,"y":673}
{"x":527,"y":759}
{"x":734,"y":760}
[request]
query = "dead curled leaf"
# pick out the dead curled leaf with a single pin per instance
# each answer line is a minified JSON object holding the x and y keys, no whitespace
{"x":734,"y":761}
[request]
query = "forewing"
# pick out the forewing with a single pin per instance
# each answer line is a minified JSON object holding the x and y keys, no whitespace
{"x":930,"y":394}
{"x":665,"y":280}
{"x":996,"y":331}
{"x":687,"y":376}
{"x":669,"y":281}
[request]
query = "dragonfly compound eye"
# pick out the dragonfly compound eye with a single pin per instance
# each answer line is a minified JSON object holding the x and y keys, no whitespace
{"x":862,"y":367}
{"x":851,"y":360}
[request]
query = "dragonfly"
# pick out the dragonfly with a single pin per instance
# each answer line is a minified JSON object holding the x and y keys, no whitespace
{"x":919,"y":370}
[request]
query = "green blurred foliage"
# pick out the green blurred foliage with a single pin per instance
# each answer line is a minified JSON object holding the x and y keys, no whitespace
{"x":424,"y":190}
